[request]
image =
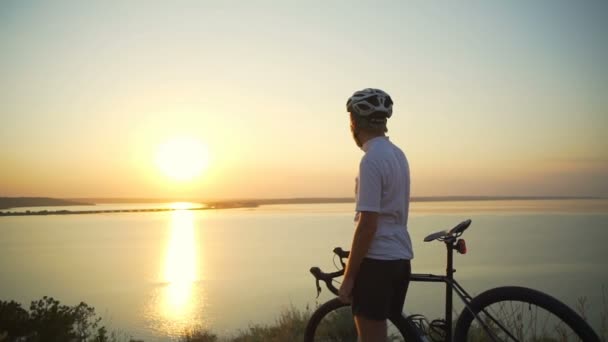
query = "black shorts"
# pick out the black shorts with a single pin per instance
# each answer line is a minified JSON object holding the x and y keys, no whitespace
{"x":380,"y":288}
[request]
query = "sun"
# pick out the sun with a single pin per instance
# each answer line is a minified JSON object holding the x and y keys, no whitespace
{"x":182,"y":159}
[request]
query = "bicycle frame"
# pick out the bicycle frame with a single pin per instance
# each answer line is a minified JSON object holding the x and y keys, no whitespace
{"x":450,"y":285}
{"x":451,"y":241}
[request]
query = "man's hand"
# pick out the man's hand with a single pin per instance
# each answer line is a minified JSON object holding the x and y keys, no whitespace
{"x":346,"y":290}
{"x":364,"y":234}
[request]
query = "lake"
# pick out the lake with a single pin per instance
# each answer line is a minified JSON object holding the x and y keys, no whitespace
{"x":151,"y":275}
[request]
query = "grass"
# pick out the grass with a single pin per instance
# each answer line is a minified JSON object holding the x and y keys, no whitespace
{"x":289,"y":326}
{"x":291,"y":323}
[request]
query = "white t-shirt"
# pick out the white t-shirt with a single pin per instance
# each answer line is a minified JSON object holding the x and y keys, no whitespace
{"x":383,"y":186}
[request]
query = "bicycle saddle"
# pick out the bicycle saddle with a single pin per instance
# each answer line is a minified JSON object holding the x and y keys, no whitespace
{"x":456,"y":231}
{"x":435,"y":236}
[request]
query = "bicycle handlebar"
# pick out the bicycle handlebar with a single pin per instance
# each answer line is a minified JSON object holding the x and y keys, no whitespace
{"x":341,"y":253}
{"x":327,"y":278}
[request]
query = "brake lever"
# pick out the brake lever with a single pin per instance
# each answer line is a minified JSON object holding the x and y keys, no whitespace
{"x":318,"y":288}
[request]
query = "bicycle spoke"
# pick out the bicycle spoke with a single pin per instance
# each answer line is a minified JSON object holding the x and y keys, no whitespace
{"x":520,"y":321}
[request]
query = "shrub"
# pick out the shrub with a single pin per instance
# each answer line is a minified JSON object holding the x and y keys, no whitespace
{"x":48,"y":320}
{"x":14,"y":320}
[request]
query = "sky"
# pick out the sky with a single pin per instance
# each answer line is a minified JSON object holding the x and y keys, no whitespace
{"x":493,"y":98}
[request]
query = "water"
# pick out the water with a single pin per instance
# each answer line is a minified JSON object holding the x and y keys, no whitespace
{"x":151,"y":275}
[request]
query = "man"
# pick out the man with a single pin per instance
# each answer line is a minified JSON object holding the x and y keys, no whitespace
{"x":378,"y":269}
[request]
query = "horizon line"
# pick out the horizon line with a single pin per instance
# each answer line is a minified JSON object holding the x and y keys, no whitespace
{"x":437,"y":198}
{"x":16,"y":202}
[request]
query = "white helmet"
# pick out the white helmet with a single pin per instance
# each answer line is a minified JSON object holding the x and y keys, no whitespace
{"x":369,"y":101}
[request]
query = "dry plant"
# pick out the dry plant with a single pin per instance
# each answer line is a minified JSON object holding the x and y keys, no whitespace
{"x":582,"y":307}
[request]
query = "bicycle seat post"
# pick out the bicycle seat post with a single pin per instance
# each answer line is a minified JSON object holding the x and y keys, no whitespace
{"x":449,"y":243}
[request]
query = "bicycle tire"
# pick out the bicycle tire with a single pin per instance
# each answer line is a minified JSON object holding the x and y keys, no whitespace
{"x":338,"y":333}
{"x":496,"y":299}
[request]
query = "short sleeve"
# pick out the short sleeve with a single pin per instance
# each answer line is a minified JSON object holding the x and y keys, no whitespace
{"x":369,"y":192}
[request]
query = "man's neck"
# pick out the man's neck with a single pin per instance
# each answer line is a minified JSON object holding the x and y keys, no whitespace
{"x":365,"y":137}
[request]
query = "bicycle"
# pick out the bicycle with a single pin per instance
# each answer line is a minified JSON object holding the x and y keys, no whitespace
{"x":508,"y":313}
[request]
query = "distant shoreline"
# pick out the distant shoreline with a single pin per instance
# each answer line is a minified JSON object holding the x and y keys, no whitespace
{"x":320,"y":200}
{"x":114,"y":211}
{"x":20,"y":202}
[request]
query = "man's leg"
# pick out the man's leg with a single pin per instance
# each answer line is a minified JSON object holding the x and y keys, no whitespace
{"x":370,"y":330}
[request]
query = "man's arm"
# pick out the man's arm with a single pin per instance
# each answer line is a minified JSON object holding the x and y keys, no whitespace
{"x":362,"y":240}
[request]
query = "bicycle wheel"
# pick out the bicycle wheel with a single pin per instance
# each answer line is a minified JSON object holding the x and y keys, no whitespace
{"x":333,"y":322}
{"x":520,"y":314}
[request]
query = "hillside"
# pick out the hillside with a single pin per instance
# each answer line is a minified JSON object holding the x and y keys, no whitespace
{"x":16,"y":202}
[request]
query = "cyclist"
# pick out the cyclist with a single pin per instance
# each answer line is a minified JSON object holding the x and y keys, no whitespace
{"x":378,"y":269}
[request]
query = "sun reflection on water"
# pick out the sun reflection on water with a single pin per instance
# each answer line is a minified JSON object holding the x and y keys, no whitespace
{"x":181,"y":261}
{"x":180,"y":302}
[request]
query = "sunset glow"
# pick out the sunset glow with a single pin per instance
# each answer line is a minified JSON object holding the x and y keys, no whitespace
{"x":246,"y":100}
{"x":182,"y":159}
